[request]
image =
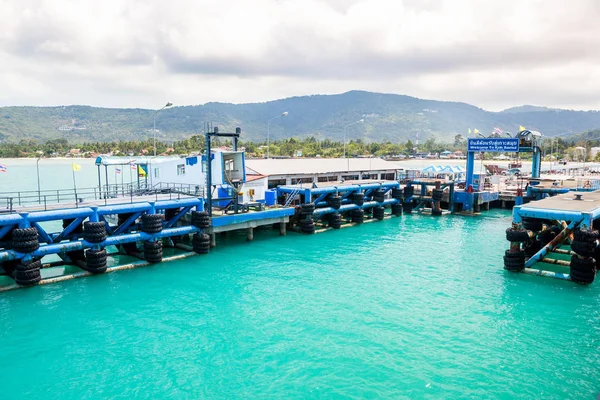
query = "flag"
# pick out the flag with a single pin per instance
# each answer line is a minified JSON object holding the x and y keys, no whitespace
{"x":498,"y":131}
{"x":76,"y":167}
{"x":469,"y":131}
{"x":132,"y":165}
{"x":117,"y":170}
{"x":475,"y":131}
{"x":521,"y":128}
{"x":3,"y":168}
{"x":141,"y":171}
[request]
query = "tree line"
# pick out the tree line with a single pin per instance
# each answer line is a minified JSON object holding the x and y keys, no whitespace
{"x":290,"y":147}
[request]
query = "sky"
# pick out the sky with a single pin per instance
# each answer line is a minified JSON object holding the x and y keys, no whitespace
{"x":142,"y":53}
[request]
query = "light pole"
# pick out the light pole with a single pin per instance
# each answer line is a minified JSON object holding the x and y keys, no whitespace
{"x":169,"y":104}
{"x":360,"y":121}
{"x":283,"y":114}
{"x":37,"y":167}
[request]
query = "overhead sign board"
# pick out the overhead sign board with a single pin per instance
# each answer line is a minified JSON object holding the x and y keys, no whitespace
{"x":495,"y":145}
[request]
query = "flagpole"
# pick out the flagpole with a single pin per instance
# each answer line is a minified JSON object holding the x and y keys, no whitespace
{"x":122,"y":184}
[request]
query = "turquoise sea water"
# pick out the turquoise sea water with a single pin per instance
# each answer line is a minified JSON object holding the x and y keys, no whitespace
{"x":410,"y":307}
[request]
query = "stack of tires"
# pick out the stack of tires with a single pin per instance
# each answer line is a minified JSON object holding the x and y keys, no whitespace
{"x":437,"y":194}
{"x":94,"y":232}
{"x":26,"y":274}
{"x":307,"y":225}
{"x":334,"y":202}
{"x":379,"y":196}
{"x":358,"y":216}
{"x":201,"y":219}
{"x":25,"y":240}
{"x":397,"y":194}
{"x":335,"y":220}
{"x":409,"y":191}
{"x":515,"y":260}
{"x":201,"y":243}
{"x":397,"y":209}
{"x":153,"y":251}
{"x":583,"y":265}
{"x":407,"y":207}
{"x":378,"y":213}
{"x":358,"y":199}
{"x":95,"y":260}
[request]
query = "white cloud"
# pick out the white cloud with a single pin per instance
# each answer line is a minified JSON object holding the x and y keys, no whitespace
{"x":141,"y":53}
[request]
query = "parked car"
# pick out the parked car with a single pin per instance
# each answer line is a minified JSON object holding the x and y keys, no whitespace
{"x":512,"y":171}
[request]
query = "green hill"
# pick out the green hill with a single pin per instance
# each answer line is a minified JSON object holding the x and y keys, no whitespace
{"x":387,"y":117}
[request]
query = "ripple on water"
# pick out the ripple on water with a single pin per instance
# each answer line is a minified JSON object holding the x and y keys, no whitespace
{"x":409,"y":307}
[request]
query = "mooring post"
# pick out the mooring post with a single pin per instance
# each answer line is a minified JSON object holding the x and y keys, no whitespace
{"x":250,"y":234}
{"x":213,"y":240}
{"x":282,"y":228}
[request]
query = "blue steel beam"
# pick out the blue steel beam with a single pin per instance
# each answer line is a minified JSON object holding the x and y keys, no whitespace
{"x":176,"y":218}
{"x":45,"y":237}
{"x":58,"y":248}
{"x":349,"y":207}
{"x":320,"y":197}
{"x":550,"y":246}
{"x":246,"y":217}
{"x":562,"y":215}
{"x":67,"y":231}
{"x":127,"y":223}
{"x":5,"y":229}
{"x":109,"y":229}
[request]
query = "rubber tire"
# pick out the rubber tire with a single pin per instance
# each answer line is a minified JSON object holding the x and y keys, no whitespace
{"x":436,"y":213}
{"x":334,"y":202}
{"x":397,"y":194}
{"x":532,"y":224}
{"x":585,"y":235}
{"x":25,"y":234}
{"x":68,"y":221}
{"x":27,"y":277}
{"x":335,"y":221}
{"x":532,"y":248}
{"x":378,"y":213}
{"x":96,"y":261}
{"x":94,"y":232}
{"x":437,"y":194}
{"x":378,"y":196}
{"x":25,"y":246}
{"x":358,"y":216}
{"x":201,"y":243}
{"x":171,"y":212}
{"x":153,"y":252}
{"x":514,"y":261}
{"x":587,"y":249}
{"x":397,"y":209}
{"x":517,"y":235}
{"x":407,"y":208}
{"x":201,"y":219}
{"x":358,"y":198}
{"x":37,"y":264}
{"x":307,"y":226}
{"x":409,"y":191}
{"x":583,"y":271}
{"x":307,"y":209}
{"x":546,"y":236}
{"x":152,"y":223}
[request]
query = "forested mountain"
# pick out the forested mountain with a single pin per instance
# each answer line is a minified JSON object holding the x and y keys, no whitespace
{"x":387,"y":117}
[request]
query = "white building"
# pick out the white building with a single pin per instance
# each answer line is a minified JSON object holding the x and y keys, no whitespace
{"x":290,"y":171}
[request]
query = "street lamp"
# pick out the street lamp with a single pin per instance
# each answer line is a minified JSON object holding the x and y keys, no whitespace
{"x":360,"y":121}
{"x":283,"y":114}
{"x":37,"y":167}
{"x":169,"y":104}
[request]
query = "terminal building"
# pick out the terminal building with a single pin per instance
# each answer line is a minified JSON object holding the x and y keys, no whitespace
{"x":293,"y":171}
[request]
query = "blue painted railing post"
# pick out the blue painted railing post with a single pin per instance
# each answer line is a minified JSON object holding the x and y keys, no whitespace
{"x":152,"y":209}
{"x":94,"y":215}
{"x":470,"y":169}
{"x":24,"y":221}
